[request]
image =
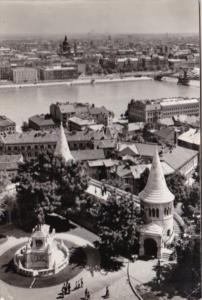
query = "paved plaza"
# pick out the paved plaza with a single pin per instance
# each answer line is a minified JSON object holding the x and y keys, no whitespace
{"x":94,"y":278}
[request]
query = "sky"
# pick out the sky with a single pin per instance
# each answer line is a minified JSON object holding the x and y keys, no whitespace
{"x":97,"y":16}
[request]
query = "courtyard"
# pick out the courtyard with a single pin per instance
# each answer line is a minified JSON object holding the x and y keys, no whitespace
{"x":85,"y":265}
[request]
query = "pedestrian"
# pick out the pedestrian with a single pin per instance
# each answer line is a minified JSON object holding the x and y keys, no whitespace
{"x":86,"y":294}
{"x":107,"y":292}
{"x":81,"y":282}
{"x":76,"y":286}
{"x":69,"y":288}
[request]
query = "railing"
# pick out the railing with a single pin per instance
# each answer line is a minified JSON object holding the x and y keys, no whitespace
{"x":111,"y":189}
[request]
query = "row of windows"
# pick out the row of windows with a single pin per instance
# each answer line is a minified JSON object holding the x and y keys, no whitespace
{"x":154,"y":212}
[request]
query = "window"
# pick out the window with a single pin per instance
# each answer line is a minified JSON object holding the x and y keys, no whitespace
{"x":157,"y":213}
{"x":153,"y":212}
{"x":150,"y":212}
{"x":168,"y":232}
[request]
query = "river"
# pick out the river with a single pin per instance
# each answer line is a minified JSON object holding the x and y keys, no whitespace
{"x":20,"y":103}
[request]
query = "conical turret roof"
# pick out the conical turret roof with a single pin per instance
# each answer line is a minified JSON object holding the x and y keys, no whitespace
{"x":62,"y":147}
{"x":156,"y":190}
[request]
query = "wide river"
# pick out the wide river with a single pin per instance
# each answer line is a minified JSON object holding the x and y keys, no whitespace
{"x":21,"y":103}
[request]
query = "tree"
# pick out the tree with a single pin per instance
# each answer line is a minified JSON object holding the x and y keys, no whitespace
{"x":196,"y":174}
{"x":4,"y":181}
{"x":8,"y":204}
{"x":143,"y":179}
{"x":47,"y":185}
{"x":116,"y":226}
{"x":176,"y":184}
{"x":191,"y":204}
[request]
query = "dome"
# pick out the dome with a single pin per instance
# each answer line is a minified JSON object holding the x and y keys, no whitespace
{"x":156,"y":190}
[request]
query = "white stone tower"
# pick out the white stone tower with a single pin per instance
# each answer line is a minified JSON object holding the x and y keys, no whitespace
{"x":62,"y":148}
{"x":157,"y":206}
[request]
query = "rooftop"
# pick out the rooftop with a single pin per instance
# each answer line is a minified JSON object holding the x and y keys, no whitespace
{"x":4,"y":121}
{"x":156,"y":190}
{"x":178,"y":101}
{"x":41,"y":120}
{"x":83,"y":155}
{"x":179,"y":156}
{"x":191,"y":136}
{"x":81,"y":122}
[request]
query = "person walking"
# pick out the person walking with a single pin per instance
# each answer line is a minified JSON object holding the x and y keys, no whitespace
{"x":86,"y":294}
{"x":81,"y":282}
{"x":107,"y":292}
{"x":69,"y":288}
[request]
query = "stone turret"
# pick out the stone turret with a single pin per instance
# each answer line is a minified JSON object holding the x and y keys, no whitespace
{"x":157,"y":205}
{"x":62,"y":148}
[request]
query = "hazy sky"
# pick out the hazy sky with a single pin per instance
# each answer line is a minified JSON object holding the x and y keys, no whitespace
{"x":102,"y":16}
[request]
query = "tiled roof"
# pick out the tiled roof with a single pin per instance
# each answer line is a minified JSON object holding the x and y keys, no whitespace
{"x":80,"y":121}
{"x":191,"y":136}
{"x":104,"y":144}
{"x":139,"y":169}
{"x":41,"y":120}
{"x":123,"y":171}
{"x":50,"y":136}
{"x":145,"y":149}
{"x":179,"y":156}
{"x":88,"y":154}
{"x":164,"y":132}
{"x":4,"y":121}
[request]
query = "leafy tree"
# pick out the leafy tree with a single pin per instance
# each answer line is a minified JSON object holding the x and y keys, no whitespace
{"x":143,"y":179}
{"x":191,"y":204}
{"x":176,"y":184}
{"x":196,"y":174}
{"x":189,"y":263}
{"x":116,"y":226}
{"x":48,"y":185}
{"x":8,"y":204}
{"x":4,"y":181}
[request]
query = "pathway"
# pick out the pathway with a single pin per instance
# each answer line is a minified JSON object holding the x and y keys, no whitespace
{"x":94,"y":279}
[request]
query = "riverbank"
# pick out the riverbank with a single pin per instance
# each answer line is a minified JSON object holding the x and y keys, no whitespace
{"x":87,"y":81}
{"x":192,"y":83}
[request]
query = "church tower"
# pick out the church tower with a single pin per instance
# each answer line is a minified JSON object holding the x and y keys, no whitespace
{"x":62,"y":148}
{"x":157,"y":206}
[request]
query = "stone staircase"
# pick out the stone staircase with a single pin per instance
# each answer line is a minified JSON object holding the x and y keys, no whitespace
{"x":166,"y":254}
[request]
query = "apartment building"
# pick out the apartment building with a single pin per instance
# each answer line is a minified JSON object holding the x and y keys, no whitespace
{"x":150,"y":111}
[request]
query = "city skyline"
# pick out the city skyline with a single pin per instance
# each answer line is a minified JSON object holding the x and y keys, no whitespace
{"x":81,"y":17}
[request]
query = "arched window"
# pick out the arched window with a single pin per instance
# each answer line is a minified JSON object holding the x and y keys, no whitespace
{"x":150,"y":212}
{"x":157,"y":213}
{"x":153,"y":212}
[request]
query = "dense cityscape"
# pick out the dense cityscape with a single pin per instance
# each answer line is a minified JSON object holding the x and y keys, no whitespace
{"x":99,"y":166}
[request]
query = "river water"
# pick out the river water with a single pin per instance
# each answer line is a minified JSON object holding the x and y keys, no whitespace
{"x":20,"y":103}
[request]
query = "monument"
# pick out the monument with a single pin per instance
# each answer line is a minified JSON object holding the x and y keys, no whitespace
{"x":42,"y":255}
